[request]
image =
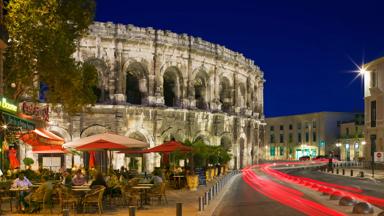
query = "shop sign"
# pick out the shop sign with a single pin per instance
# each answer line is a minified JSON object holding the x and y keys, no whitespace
{"x":7,"y":106}
{"x":36,"y":110}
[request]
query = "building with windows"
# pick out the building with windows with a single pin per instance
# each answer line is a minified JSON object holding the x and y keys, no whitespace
{"x":373,"y":73}
{"x":312,"y":134}
{"x":351,"y":142}
{"x":156,"y":84}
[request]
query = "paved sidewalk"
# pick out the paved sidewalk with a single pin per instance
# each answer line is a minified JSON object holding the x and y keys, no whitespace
{"x":185,"y":196}
{"x":378,"y":174}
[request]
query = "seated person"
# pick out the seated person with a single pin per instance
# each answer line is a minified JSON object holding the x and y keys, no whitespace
{"x":78,"y":179}
{"x":156,"y":178}
{"x":22,"y":182}
{"x":113,"y":185}
{"x":66,"y":180}
{"x":99,"y":180}
{"x":45,"y":188}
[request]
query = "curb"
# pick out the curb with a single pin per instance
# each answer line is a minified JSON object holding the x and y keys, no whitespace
{"x":215,"y":203}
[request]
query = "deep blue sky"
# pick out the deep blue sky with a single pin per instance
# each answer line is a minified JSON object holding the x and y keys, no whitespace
{"x":303,"y":46}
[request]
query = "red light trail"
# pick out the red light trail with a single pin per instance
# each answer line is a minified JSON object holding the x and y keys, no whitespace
{"x":294,"y":198}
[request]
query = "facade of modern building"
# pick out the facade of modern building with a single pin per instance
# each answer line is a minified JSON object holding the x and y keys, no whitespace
{"x":293,"y":136}
{"x":374,"y":106}
{"x":156,"y":84}
{"x":351,"y":142}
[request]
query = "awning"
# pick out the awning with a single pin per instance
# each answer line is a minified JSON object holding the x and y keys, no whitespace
{"x":40,"y":136}
{"x":48,"y":149}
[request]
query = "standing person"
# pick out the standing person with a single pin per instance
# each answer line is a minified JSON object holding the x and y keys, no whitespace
{"x":13,"y":161}
{"x":22,"y":182}
{"x":78,"y":179}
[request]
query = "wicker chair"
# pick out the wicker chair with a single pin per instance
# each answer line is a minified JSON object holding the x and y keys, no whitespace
{"x":5,"y":195}
{"x":66,"y":199}
{"x":159,"y":193}
{"x":46,"y":200}
{"x":95,"y":196}
{"x":130,"y":196}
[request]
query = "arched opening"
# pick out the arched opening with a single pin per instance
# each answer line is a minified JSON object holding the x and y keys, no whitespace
{"x":241,"y":156}
{"x":136,"y":83}
{"x":101,"y":89}
{"x":200,"y":86}
{"x":225,"y":95}
{"x":132,"y":89}
{"x":137,"y":162}
{"x":171,"y":87}
{"x":226,"y":143}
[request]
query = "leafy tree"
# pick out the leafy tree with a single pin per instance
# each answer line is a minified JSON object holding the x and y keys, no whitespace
{"x":43,"y":36}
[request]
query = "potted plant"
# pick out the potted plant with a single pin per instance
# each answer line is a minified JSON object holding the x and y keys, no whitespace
{"x":197,"y":159}
{"x":28,"y":162}
{"x":224,"y":158}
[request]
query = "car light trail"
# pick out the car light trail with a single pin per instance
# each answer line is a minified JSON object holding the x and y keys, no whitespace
{"x":324,"y":187}
{"x":285,"y":195}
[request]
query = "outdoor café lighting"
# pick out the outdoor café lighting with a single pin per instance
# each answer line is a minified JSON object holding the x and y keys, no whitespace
{"x":338,"y":144}
{"x":363,"y":142}
{"x":4,"y":127}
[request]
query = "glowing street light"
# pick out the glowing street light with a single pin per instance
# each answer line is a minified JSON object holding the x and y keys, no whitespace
{"x":363,"y":142}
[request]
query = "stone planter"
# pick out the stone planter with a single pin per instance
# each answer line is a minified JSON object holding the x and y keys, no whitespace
{"x":207,"y":175}
{"x":193,"y":182}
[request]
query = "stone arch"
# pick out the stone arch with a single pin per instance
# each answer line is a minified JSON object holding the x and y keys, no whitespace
{"x":242,"y":95}
{"x":93,"y":130}
{"x":242,"y":151}
{"x":225,"y":94}
{"x":61,"y":132}
{"x":226,"y":142}
{"x":143,"y":135}
{"x":102,"y":89}
{"x":200,"y":86}
{"x":172,"y":86}
{"x":136,"y":83}
{"x":203,"y":136}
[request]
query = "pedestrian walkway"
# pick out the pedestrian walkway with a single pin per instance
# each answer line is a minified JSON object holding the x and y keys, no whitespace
{"x":378,"y":174}
{"x":188,"y":198}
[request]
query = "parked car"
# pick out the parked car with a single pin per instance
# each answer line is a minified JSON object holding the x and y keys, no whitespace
{"x":304,"y":158}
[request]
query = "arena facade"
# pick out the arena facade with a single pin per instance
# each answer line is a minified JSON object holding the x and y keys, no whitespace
{"x":156,"y":84}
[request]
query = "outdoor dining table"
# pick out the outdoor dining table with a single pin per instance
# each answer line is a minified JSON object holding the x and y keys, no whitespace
{"x":18,"y":191}
{"x":143,"y":195}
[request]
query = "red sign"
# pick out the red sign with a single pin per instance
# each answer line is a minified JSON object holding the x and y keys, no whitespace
{"x":378,"y":155}
{"x":36,"y":110}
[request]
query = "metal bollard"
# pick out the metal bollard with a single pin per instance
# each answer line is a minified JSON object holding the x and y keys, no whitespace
{"x":179,"y":209}
{"x":337,"y":171}
{"x":132,"y":211}
{"x":201,"y":204}
{"x":343,"y":171}
{"x":206,"y":198}
{"x":351,"y":172}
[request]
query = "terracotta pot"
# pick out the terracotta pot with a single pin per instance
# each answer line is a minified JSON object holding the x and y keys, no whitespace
{"x":193,"y":182}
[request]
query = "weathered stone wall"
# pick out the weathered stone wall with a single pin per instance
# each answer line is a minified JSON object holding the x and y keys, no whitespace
{"x":186,"y":87}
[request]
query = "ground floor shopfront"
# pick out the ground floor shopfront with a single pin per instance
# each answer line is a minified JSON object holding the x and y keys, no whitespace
{"x":281,"y":152}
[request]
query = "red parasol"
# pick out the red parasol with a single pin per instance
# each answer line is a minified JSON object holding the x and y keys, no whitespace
{"x":92,"y":159}
{"x":105,"y":141}
{"x":170,"y":146}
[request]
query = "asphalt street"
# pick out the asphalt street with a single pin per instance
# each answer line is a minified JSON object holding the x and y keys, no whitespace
{"x":242,"y":200}
{"x":368,"y":186}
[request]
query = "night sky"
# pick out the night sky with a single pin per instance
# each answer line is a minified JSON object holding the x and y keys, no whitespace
{"x":304,"y":47}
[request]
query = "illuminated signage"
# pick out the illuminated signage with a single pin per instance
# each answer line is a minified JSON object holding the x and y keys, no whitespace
{"x":7,"y":106}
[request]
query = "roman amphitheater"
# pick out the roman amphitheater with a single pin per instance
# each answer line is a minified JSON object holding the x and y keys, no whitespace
{"x":156,"y":84}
